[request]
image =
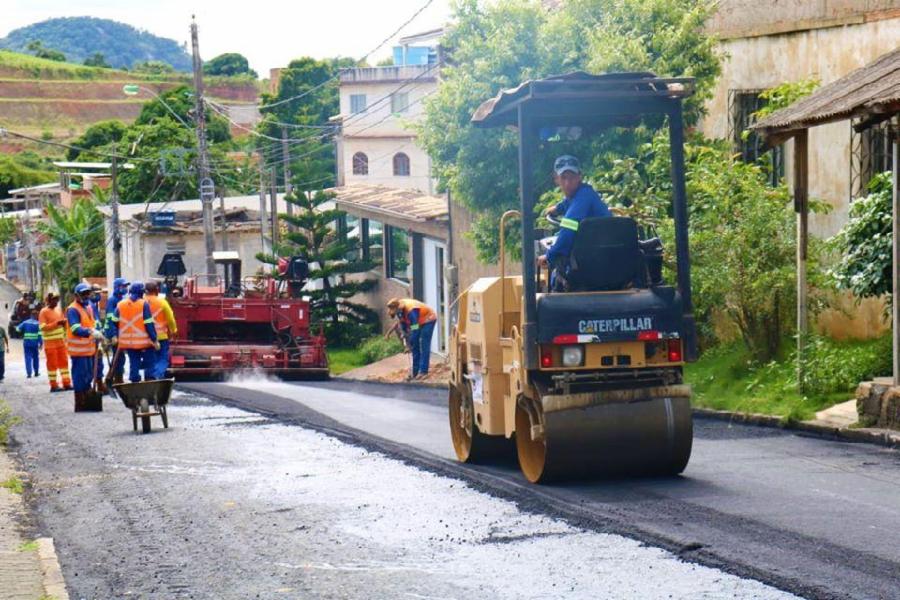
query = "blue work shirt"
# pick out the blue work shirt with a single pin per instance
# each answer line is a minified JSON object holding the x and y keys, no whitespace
{"x":31,"y":332}
{"x":112,"y":324}
{"x":584,"y":203}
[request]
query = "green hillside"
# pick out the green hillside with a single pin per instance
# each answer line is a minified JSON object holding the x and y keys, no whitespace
{"x":81,"y":37}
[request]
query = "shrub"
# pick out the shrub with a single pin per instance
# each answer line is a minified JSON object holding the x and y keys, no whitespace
{"x":7,"y":420}
{"x":840,"y":366}
{"x":377,"y":348}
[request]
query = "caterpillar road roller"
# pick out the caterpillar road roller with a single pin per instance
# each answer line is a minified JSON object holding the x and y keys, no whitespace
{"x":579,"y":364}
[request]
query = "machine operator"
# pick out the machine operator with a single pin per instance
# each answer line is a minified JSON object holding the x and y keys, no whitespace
{"x":580,"y":201}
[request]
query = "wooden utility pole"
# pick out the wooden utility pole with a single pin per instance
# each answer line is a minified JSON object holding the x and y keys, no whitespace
{"x":207,"y":187}
{"x":114,"y":221}
{"x":286,"y":170}
{"x":801,"y":207}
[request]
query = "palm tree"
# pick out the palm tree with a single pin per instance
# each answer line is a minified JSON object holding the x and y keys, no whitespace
{"x":75,"y":242}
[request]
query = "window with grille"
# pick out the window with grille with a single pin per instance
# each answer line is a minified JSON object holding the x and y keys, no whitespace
{"x":357,"y":103}
{"x":401,"y":164}
{"x":399,"y":102}
{"x":742,"y":104}
{"x":871,"y":153}
{"x":360,"y":164}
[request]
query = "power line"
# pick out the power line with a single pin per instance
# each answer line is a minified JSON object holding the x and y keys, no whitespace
{"x":368,"y":54}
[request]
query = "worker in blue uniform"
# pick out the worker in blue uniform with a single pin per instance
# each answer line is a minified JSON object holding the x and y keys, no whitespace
{"x":81,"y":340}
{"x":32,"y":344}
{"x":118,"y":292}
{"x":580,"y":201}
{"x":132,"y":328}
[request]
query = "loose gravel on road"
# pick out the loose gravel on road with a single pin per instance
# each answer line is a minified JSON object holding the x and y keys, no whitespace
{"x":228,"y":504}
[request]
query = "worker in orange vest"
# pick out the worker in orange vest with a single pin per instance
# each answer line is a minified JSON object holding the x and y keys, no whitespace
{"x":416,"y":320}
{"x":53,"y":331}
{"x":166,"y":328}
{"x":83,"y":337}
{"x":134,"y":332}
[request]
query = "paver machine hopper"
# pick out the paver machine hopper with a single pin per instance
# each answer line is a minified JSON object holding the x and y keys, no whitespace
{"x":585,"y":377}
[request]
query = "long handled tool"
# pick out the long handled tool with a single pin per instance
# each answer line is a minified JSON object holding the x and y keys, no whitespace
{"x":93,"y":398}
{"x":110,"y":376}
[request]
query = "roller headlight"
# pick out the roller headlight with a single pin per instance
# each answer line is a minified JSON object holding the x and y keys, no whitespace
{"x":572,"y":356}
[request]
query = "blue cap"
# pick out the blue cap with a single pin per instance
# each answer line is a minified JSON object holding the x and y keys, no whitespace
{"x":119,"y":282}
{"x":82,"y":288}
{"x":136,"y":289}
{"x":566,"y":162}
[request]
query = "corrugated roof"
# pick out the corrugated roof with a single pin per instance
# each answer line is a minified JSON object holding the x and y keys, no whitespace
{"x":400,"y":203}
{"x":871,"y":93}
{"x":579,"y":86}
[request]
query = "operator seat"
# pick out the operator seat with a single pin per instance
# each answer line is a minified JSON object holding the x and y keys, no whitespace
{"x":606,"y":256}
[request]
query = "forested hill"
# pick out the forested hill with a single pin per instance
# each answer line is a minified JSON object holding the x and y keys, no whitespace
{"x":81,"y":37}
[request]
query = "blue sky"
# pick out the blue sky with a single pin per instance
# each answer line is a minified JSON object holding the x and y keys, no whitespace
{"x":268,"y":32}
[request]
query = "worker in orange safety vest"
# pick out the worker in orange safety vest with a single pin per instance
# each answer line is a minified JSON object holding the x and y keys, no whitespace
{"x":53,"y":331}
{"x":417,"y":321}
{"x":131,"y":327}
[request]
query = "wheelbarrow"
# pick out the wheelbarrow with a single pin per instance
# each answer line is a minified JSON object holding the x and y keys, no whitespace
{"x":146,"y":399}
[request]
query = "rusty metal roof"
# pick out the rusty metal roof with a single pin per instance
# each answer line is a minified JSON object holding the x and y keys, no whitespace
{"x":870,"y":93}
{"x":407,"y":204}
{"x":580,"y":92}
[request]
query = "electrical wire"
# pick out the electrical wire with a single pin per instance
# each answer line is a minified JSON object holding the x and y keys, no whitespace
{"x":368,"y":54}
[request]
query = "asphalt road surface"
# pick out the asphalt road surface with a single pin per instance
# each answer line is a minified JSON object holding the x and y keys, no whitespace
{"x":818,"y":518}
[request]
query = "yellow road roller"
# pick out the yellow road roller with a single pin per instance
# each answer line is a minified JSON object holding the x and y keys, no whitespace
{"x":579,"y":363}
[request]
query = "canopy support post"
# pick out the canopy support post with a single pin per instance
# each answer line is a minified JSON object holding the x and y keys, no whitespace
{"x":801,"y":207}
{"x":895,"y":266}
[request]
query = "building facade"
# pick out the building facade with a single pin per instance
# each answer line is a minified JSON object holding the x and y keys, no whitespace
{"x":766,"y":43}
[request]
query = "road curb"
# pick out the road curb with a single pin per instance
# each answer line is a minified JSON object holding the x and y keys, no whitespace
{"x":878,"y":437}
{"x":54,"y":583}
{"x":440,"y":385}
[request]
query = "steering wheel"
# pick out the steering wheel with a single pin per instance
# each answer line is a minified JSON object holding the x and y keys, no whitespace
{"x":553,"y":220}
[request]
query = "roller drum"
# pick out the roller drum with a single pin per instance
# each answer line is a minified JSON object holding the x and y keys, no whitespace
{"x":647,"y":437}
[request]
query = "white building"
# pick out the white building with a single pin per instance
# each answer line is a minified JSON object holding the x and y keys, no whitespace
{"x":384,"y":179}
{"x":149,"y":231}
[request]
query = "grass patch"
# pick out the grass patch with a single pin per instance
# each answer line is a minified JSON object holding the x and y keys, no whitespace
{"x":31,"y":546}
{"x":13,"y":484}
{"x":376,"y":348}
{"x":726,"y":379}
{"x":7,"y":420}
{"x":341,"y":360}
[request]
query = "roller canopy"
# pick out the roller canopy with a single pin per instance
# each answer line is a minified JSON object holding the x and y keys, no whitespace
{"x":580,"y":98}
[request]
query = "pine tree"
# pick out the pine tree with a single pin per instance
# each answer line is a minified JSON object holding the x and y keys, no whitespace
{"x":334,"y":258}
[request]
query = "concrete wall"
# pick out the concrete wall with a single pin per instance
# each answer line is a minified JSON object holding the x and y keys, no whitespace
{"x":465,"y":257}
{"x":769,"y":42}
{"x":141,"y":253}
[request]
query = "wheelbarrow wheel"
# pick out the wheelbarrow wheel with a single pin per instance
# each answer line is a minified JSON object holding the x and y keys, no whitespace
{"x":145,"y":419}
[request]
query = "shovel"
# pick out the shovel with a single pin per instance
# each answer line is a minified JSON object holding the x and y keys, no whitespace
{"x":93,"y":398}
{"x":110,"y":376}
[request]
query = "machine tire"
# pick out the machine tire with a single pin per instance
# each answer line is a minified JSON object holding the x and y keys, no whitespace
{"x":470,"y":444}
{"x":532,"y":454}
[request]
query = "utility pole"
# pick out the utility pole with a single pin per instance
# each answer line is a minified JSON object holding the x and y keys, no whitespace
{"x":263,"y":219}
{"x":207,"y":187}
{"x":114,"y":222}
{"x":286,"y":168}
{"x":273,"y":193}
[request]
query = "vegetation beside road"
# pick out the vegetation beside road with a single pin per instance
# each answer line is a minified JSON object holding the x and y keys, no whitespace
{"x":726,"y":377}
{"x":341,"y":360}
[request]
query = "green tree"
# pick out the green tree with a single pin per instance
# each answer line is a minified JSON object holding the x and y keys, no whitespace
{"x":334,"y":265}
{"x":153,"y":67}
{"x":307,"y":96}
{"x":229,"y":64}
{"x":864,"y":245}
{"x":75,"y":246}
{"x":9,"y":230}
{"x":496,"y":46}
{"x":16,"y":172}
{"x":37,"y":47}
{"x":98,"y":135}
{"x":180,"y":101}
{"x":97,"y":60}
